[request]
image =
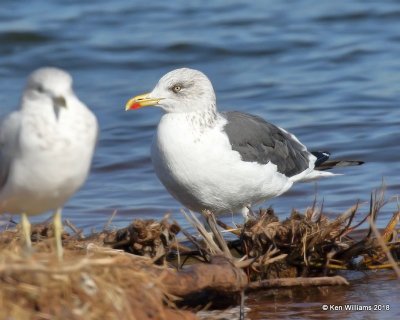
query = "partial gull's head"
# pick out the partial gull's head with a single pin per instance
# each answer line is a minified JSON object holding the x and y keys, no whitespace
{"x":181,"y":90}
{"x":49,"y":85}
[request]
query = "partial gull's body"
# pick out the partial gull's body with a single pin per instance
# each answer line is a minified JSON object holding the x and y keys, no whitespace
{"x":46,"y":148}
{"x":223,"y":162}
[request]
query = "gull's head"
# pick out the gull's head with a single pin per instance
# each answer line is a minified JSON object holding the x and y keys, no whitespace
{"x":50,"y":84}
{"x":181,"y":90}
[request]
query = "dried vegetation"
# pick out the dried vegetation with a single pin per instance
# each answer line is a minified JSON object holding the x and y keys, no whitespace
{"x":144,"y":271}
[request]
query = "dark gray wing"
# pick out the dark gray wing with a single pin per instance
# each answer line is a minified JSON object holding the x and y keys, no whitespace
{"x":259,"y":141}
{"x":9,"y":134}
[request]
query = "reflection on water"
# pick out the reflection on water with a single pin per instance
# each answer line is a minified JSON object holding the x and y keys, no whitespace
{"x":377,"y":291}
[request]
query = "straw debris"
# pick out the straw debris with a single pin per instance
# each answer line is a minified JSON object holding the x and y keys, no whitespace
{"x":143,"y":271}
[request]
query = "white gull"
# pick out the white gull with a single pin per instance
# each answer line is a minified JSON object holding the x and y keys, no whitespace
{"x":46,"y":149}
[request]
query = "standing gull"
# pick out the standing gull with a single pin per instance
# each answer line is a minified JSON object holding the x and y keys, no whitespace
{"x":46,"y":149}
{"x":222,"y":161}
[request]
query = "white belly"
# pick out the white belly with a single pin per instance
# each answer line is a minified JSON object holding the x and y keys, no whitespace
{"x":39,"y":184}
{"x":202,"y":171}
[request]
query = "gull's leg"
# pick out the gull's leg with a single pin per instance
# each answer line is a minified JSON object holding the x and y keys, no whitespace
{"x":251,"y":212}
{"x":26,"y":229}
{"x":58,"y":228}
{"x":233,"y":220}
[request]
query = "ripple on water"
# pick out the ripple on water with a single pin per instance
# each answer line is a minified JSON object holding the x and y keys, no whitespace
{"x":326,"y":72}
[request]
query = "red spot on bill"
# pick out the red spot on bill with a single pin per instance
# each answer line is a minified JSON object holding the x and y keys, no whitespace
{"x":136,"y":105}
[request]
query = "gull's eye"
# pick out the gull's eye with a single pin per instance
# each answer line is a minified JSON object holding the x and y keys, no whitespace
{"x":176,"y":88}
{"x":40,"y":88}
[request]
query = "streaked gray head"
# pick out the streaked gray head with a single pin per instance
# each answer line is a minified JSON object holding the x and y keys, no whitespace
{"x":184,"y":90}
{"x":50,"y":83}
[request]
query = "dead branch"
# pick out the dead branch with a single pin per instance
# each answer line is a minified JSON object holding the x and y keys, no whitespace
{"x":384,"y":247}
{"x":296,"y":282}
{"x":221,"y":275}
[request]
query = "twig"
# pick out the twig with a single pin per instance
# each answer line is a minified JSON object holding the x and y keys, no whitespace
{"x":217,"y":235}
{"x":296,"y":282}
{"x":179,"y":246}
{"x":382,"y":266}
{"x":350,"y":220}
{"x":74,"y":228}
{"x":358,"y":224}
{"x":234,"y":231}
{"x":196,"y":243}
{"x":377,"y":202}
{"x":384,"y":247}
{"x":388,"y":232}
{"x":107,"y":225}
{"x":241,"y":314}
{"x":211,"y":245}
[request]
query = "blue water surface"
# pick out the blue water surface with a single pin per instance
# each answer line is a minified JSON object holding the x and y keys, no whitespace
{"x":329,"y":72}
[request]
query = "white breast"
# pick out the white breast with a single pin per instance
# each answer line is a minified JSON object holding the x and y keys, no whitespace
{"x":200,"y":169}
{"x":52,"y":163}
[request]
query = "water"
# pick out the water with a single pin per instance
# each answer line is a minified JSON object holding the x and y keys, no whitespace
{"x":328,"y":72}
{"x":376,"y":293}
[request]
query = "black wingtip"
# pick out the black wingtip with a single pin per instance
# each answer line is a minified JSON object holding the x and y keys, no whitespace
{"x":321,"y":156}
{"x":338,"y":164}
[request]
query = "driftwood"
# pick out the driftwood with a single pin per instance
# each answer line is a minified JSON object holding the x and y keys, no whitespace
{"x":296,"y":282}
{"x":221,"y":275}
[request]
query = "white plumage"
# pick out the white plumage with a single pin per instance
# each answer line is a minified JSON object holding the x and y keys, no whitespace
{"x":206,"y":161}
{"x":46,"y":147}
{"x":201,"y":170}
